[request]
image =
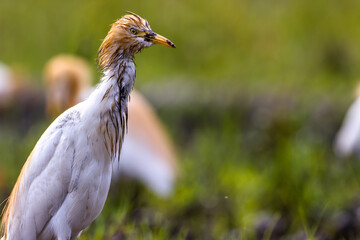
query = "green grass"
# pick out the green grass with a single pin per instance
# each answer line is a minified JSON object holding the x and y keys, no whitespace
{"x":236,"y":171}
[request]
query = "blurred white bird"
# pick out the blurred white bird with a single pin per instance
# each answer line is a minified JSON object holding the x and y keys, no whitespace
{"x":147,"y":153}
{"x":347,"y":141}
{"x":67,"y":81}
{"x":64,"y":183}
{"x":21,"y":103}
{"x":6,"y":85}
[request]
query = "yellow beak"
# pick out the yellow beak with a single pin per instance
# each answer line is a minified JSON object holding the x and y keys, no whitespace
{"x":158,"y":39}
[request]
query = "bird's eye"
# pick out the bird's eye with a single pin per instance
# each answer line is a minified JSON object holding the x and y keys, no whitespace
{"x":133,"y":31}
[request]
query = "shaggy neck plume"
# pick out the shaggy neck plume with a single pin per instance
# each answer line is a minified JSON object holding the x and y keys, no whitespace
{"x":116,"y":85}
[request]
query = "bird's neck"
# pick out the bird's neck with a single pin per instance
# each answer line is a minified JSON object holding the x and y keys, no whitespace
{"x":111,"y":98}
{"x":119,"y":79}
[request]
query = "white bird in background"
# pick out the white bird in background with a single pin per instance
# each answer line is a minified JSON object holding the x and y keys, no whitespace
{"x":147,"y":153}
{"x":6,"y":85}
{"x":67,"y":81}
{"x":64,"y":183}
{"x":21,"y":103}
{"x":347,"y":140}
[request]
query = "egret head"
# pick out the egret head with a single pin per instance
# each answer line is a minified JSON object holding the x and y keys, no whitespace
{"x":127,"y":36}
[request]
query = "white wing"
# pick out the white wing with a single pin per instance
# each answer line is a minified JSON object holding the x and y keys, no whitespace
{"x":45,"y":180}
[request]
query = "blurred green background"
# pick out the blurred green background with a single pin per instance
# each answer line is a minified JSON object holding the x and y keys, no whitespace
{"x":252,"y":96}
